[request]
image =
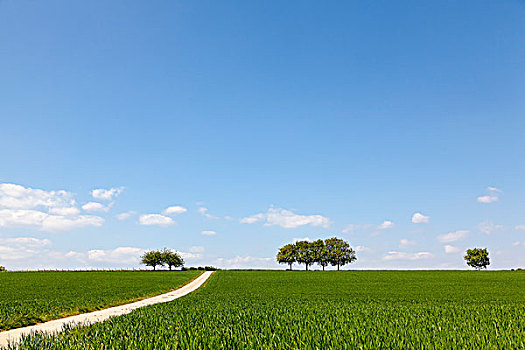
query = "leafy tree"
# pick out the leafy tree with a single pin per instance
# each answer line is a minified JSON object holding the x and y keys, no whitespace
{"x":320,"y":256}
{"x":305,"y":253}
{"x":339,"y":252}
{"x":2,"y":269}
{"x":171,"y":258}
{"x":477,"y":258}
{"x":153,"y":258}
{"x":287,"y":255}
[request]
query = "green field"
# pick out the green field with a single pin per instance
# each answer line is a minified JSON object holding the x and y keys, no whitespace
{"x":322,"y":310}
{"x":31,"y":297}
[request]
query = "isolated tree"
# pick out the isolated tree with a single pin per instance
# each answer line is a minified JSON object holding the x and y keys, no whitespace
{"x":320,"y":256}
{"x":2,"y":269}
{"x":339,"y":252}
{"x":171,"y":258}
{"x":153,"y":258}
{"x":305,"y":253}
{"x":287,"y":255}
{"x":477,"y":258}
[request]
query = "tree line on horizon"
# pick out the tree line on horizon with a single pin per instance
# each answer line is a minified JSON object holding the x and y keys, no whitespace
{"x":332,"y":251}
{"x":163,"y":257}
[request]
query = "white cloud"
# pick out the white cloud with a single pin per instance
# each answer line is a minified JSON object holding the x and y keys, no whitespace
{"x":155,"y":220}
{"x":453,"y":236}
{"x":204,"y":212}
{"x":65,"y":211}
{"x":492,"y":197}
{"x":407,"y":256}
{"x":21,"y":217}
{"x":196,"y":249}
{"x":125,"y":215}
{"x":174,"y":210}
{"x":450,"y":249}
{"x":361,"y":248}
{"x":520,"y":227}
{"x":386,"y":225}
{"x":286,"y":219}
{"x":94,"y":207}
{"x":295,"y":240}
{"x":419,"y":218}
{"x":120,"y":255}
{"x":488,"y":227}
{"x":14,"y":196}
{"x":21,"y":247}
{"x":208,"y":233}
{"x":406,"y":243}
{"x":518,"y":243}
{"x":106,"y":195}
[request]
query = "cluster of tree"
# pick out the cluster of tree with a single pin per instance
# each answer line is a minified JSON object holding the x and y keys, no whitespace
{"x":478,"y":258}
{"x":331,"y":251}
{"x":163,"y":257}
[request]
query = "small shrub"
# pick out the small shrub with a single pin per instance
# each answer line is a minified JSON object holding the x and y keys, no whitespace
{"x":210,"y":268}
{"x":184,"y":268}
{"x":193,"y":268}
{"x":200,"y":268}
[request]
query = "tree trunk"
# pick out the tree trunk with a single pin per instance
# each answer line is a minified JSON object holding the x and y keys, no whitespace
{"x":337,"y":267}
{"x":153,"y":267}
{"x":306,"y":267}
{"x":170,"y":267}
{"x":323,"y":267}
{"x":290,"y":266}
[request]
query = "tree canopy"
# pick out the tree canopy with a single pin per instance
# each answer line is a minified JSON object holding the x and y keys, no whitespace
{"x":333,"y":251}
{"x":163,"y":257}
{"x":477,"y":258}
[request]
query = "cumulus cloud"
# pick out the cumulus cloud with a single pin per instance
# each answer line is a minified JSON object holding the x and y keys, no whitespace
{"x":407,"y":256}
{"x":492,"y":197}
{"x":453,"y":236}
{"x":120,"y":255}
{"x":14,"y":196}
{"x":155,"y":220}
{"x":450,"y":249}
{"x":44,"y":221}
{"x":208,"y":233}
{"x":66,"y":211}
{"x":362,"y":248}
{"x":204,"y":212}
{"x":125,"y":215}
{"x":386,"y":225}
{"x":520,"y":227}
{"x":419,"y":218}
{"x":406,"y":243}
{"x":94,"y":207}
{"x":174,"y":210}
{"x":295,"y":240}
{"x":106,"y":195}
{"x":21,"y":247}
{"x":286,"y":219}
{"x":487,"y":227}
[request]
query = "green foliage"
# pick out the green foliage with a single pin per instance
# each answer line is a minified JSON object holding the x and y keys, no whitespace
{"x":2,"y":269}
{"x":339,"y":252}
{"x":477,"y":258}
{"x":332,"y":251}
{"x":171,"y":258}
{"x":153,"y":258}
{"x":31,"y":297}
{"x":287,"y":255}
{"x":314,"y":310}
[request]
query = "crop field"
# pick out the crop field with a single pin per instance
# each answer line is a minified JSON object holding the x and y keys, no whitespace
{"x":31,"y":297}
{"x":322,"y":310}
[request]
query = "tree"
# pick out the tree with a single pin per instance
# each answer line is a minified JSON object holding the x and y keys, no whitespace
{"x":153,"y":258}
{"x":287,"y":255}
{"x":2,"y":269}
{"x":477,"y":258}
{"x":305,"y":253}
{"x":320,"y":256}
{"x":171,"y":258}
{"x":339,"y":252}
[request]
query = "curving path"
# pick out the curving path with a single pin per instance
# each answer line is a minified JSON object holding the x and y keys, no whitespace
{"x":54,"y":326}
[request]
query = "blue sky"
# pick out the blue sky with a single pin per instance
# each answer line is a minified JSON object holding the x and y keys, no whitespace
{"x":283,"y":120}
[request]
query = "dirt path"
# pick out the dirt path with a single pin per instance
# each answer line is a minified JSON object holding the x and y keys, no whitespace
{"x":14,"y":335}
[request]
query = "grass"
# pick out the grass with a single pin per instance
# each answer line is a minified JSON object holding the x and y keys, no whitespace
{"x":28,"y":298}
{"x":322,"y":310}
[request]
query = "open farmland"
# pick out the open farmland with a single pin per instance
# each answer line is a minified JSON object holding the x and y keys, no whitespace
{"x":31,"y":297}
{"x":322,"y":310}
